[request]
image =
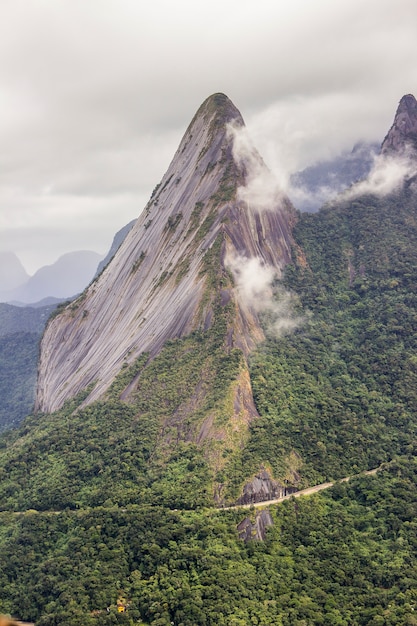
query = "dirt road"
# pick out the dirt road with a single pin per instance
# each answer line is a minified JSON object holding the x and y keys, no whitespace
{"x":304,"y":492}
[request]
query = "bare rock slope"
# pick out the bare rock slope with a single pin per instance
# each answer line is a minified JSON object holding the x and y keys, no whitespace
{"x":156,"y":287}
{"x":402,"y":135}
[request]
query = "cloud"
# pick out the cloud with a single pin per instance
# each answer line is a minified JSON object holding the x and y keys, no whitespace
{"x":387,"y":175}
{"x":93,"y":95}
{"x":262,"y":190}
{"x":312,"y":200}
{"x":256,"y":288}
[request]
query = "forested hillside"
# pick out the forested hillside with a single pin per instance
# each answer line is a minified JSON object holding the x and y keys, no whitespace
{"x":341,"y":390}
{"x":121,"y":506}
{"x":20,"y":332}
{"x":132,"y":514}
{"x":347,"y":556}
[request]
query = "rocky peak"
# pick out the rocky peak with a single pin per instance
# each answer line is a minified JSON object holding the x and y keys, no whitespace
{"x":157,"y":287}
{"x":402,"y":135}
{"x":218,"y":110}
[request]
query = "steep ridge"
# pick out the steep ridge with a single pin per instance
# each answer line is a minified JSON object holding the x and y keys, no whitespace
{"x":164,"y":280}
{"x":402,"y":135}
{"x":116,"y":243}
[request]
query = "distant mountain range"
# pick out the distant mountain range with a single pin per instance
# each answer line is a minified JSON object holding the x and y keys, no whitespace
{"x":22,"y":324}
{"x":312,"y":187}
{"x":65,"y":278}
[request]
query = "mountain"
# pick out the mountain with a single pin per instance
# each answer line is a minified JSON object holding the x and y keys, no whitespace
{"x":12,"y":272}
{"x":63,"y":279}
{"x":171,"y":275}
{"x":21,"y":327}
{"x":402,"y":135}
{"x":323,"y":181}
{"x":116,"y":243}
{"x":124,"y":509}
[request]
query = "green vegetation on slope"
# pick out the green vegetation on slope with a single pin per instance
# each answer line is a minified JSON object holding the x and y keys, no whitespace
{"x":161,"y":443}
{"x":337,"y":396}
{"x":341,"y":391}
{"x":18,"y":358}
{"x":346,"y":556}
{"x":20,"y":332}
{"x":115,"y":452}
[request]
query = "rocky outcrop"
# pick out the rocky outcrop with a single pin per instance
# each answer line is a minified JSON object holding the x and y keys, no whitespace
{"x":157,"y":286}
{"x":262,"y":488}
{"x":255,"y":530}
{"x":402,"y":135}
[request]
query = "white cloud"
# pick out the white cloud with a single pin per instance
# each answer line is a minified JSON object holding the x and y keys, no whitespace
{"x":256,"y":288}
{"x":93,"y":95}
{"x":262,"y":190}
{"x":387,"y":175}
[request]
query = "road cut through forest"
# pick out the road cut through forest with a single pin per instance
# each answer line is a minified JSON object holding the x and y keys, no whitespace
{"x":304,"y":492}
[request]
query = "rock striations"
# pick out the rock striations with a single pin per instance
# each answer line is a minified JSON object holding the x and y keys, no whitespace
{"x":156,"y":287}
{"x":402,"y":135}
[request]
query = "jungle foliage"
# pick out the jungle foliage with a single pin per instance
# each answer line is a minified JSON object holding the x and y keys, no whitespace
{"x":18,"y":364}
{"x":345,"y":556}
{"x":20,"y":332}
{"x":123,"y":496}
{"x":341,"y":390}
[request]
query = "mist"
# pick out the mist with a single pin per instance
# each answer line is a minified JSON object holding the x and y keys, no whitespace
{"x":262,"y":190}
{"x":256,"y":287}
{"x":96,"y":96}
{"x":388,"y":174}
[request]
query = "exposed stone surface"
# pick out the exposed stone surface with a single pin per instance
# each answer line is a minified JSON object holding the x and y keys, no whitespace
{"x":153,"y":288}
{"x":256,"y":530}
{"x":403,"y":133}
{"x":262,"y":487}
{"x":118,"y":239}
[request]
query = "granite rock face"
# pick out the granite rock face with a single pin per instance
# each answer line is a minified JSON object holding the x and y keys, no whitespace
{"x":263,"y":487}
{"x":249,"y":530}
{"x":118,"y":239}
{"x":155,"y":287}
{"x":402,"y":135}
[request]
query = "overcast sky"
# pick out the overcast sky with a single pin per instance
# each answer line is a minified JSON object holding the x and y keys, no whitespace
{"x":96,"y":94}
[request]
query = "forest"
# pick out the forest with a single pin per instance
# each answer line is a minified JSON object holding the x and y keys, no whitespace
{"x":101,"y":510}
{"x":345,"y":556}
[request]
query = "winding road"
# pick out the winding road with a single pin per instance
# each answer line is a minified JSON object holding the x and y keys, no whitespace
{"x":304,"y":492}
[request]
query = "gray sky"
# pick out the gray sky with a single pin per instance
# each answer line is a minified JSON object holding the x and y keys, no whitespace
{"x":96,"y":94}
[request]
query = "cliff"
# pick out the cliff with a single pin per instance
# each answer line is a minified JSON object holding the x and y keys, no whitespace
{"x":156,"y":287}
{"x":402,"y":135}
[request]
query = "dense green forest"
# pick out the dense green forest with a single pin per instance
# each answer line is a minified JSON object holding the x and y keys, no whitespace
{"x":20,"y":332}
{"x":341,"y":390}
{"x":18,"y":358}
{"x":346,"y":556}
{"x":123,"y":498}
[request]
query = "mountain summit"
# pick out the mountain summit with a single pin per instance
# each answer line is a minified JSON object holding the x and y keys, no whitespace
{"x":403,"y":133}
{"x":177,"y":270}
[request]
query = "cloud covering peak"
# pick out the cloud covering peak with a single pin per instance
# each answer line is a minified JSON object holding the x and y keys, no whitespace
{"x":95,"y":98}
